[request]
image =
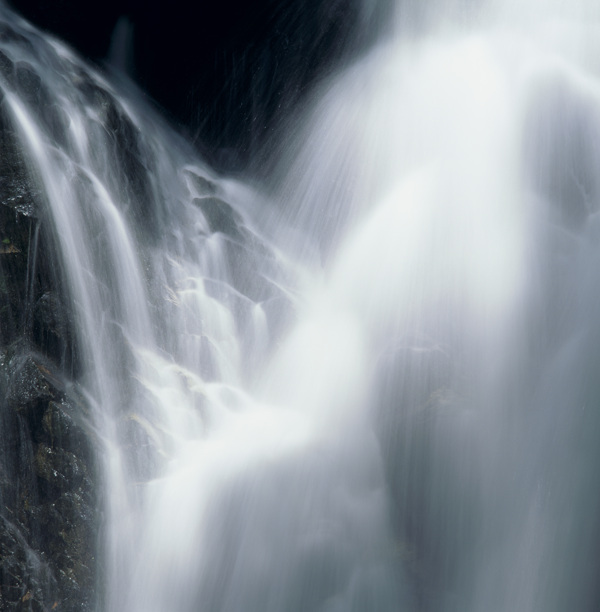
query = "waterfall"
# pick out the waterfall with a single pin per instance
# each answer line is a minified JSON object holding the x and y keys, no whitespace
{"x":369,"y":385}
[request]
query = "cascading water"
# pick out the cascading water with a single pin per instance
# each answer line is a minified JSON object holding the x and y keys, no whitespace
{"x":374,"y":389}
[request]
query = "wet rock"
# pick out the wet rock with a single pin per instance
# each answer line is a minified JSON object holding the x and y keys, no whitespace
{"x":70,"y":544}
{"x":18,"y":192}
{"x":48,"y":484}
{"x":33,"y":91}
{"x":201,"y":185}
{"x":18,"y":223}
{"x":143,"y":447}
{"x":95,"y":96}
{"x":31,"y":305}
{"x":64,"y":425}
{"x":126,"y":138}
{"x":220,"y":216}
{"x":49,"y":510}
{"x":248,"y":277}
{"x":249,"y":260}
{"x":7,"y":67}
{"x":28,"y":82}
{"x":28,"y":381}
{"x":25,"y":578}
{"x":51,"y":327}
{"x":59,"y":468}
{"x":9,"y":35}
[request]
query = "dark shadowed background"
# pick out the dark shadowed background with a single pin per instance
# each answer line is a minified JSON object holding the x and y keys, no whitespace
{"x":222,"y":71}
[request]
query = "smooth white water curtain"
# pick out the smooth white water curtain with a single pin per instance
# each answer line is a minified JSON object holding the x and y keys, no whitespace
{"x":375,"y":388}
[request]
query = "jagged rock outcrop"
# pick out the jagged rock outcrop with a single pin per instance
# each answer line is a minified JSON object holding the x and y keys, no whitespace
{"x":48,"y":478}
{"x":49,"y":513}
{"x":109,"y":228}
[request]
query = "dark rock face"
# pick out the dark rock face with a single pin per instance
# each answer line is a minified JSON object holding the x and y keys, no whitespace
{"x":48,"y":478}
{"x":49,"y":482}
{"x":48,"y":489}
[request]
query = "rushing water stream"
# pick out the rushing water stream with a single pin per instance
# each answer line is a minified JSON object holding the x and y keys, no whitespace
{"x":373,"y":389}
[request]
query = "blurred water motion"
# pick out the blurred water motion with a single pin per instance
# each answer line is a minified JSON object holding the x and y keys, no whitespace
{"x":375,"y":388}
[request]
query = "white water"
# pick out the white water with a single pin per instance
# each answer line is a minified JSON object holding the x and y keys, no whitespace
{"x":374,"y":390}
